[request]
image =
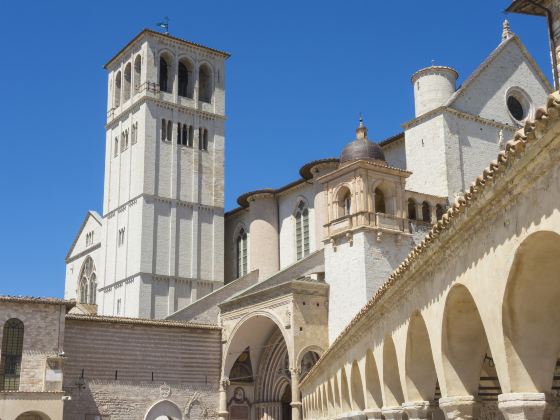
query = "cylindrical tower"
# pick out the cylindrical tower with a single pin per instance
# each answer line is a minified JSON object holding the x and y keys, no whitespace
{"x":433,"y":86}
{"x":263,"y":244}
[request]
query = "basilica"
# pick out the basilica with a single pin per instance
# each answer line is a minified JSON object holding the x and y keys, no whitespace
{"x":410,"y":278}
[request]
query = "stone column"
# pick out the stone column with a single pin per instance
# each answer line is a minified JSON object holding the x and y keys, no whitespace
{"x":464,"y":407}
{"x":222,"y":410}
{"x":416,"y":410}
{"x":392,"y":413}
{"x":419,"y":211}
{"x":524,"y":406}
{"x":296,"y":403}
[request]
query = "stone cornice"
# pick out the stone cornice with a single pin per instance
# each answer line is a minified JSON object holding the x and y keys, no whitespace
{"x":124,"y":113}
{"x":131,"y":278}
{"x":499,"y":186}
{"x":364,"y":164}
{"x":443,"y":109}
{"x":86,"y":251}
{"x":175,"y":201}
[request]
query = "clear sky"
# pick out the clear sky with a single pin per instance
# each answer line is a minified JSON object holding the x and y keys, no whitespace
{"x":299,"y":75}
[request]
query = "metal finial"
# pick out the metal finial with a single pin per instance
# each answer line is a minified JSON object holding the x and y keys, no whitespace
{"x":361,"y":120}
{"x":506,"y":31}
{"x":433,"y":63}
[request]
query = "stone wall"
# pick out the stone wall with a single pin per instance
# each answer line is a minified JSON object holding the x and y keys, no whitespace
{"x":110,"y":363}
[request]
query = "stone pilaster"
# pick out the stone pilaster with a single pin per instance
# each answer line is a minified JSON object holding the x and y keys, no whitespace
{"x":222,"y":410}
{"x":524,"y":406}
{"x":296,"y":403}
{"x":464,"y":407}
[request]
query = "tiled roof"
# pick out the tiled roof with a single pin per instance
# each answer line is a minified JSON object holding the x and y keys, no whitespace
{"x":141,"y":321}
{"x":38,"y":300}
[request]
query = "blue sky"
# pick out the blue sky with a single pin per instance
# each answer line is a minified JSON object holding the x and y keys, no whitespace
{"x":299,"y":75}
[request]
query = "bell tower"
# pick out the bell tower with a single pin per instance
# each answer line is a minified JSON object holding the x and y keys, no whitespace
{"x":163,"y":205}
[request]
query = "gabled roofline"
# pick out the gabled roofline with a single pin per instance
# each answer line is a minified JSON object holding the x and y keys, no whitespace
{"x":522,"y":6}
{"x":96,"y":217}
{"x":493,"y":55}
{"x":146,"y":31}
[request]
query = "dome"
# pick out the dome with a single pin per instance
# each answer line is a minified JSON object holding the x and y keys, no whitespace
{"x":362,"y":148}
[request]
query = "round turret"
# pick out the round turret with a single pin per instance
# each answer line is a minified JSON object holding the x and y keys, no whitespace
{"x":433,"y":86}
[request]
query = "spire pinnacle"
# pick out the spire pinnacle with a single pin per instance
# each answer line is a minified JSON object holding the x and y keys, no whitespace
{"x":361,"y":132}
{"x":506,"y":32}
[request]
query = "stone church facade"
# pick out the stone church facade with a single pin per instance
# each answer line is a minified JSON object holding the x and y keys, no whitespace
{"x":390,"y":282}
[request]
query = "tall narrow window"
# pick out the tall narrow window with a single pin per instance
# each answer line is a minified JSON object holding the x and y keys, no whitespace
{"x":87,"y":282}
{"x":302,"y":231}
{"x":200,"y":138}
{"x":137,"y":73}
{"x":183,"y":80}
{"x":178,"y":134}
{"x":184,"y":135}
{"x":379,"y":201}
{"x":163,"y":75}
{"x":116,"y":147}
{"x":426,"y":212}
{"x":118,"y":307}
{"x":169,"y":131}
{"x":117,"y":96}
{"x":241,"y":253}
{"x":205,"y":83}
{"x":205,"y":139}
{"x":134,"y":133}
{"x":191,"y":136}
{"x":127,"y":82}
{"x":12,"y":349}
{"x":163,"y":130}
{"x":347,"y":203}
{"x":411,"y":209}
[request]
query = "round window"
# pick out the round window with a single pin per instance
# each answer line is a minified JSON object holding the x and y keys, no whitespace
{"x":518,"y":104}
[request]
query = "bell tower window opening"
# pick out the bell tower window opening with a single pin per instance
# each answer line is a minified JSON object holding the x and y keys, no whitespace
{"x":137,"y":73}
{"x":127,"y":82}
{"x":117,"y":93}
{"x":241,"y":253}
{"x":205,"y":83}
{"x":302,"y":230}
{"x":12,"y":350}
{"x":426,"y":212}
{"x":164,"y":73}
{"x":191,"y":136}
{"x":185,"y":76}
{"x":379,"y":201}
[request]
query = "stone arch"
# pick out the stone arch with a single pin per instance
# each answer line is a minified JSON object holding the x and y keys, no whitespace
{"x":325,"y":407}
{"x":391,"y":378}
{"x":165,"y":71}
{"x":464,"y":343}
{"x":163,"y":410}
{"x":33,"y":415}
{"x":384,"y":194}
{"x":307,"y":358}
{"x":257,"y":324}
{"x":420,"y":371}
{"x":336,"y":391}
{"x":343,"y":201}
{"x":117,"y":90}
{"x":185,"y":77}
{"x":358,"y":401}
{"x":137,"y":72}
{"x":411,"y":205}
{"x":87,"y":282}
{"x":345,"y":405}
{"x":531,"y":315}
{"x":319,"y":402}
{"x":374,"y":395}
{"x":127,"y":81}
{"x":426,"y":212}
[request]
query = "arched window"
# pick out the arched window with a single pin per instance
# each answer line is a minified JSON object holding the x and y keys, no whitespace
{"x":127,"y":82}
{"x":87,"y":282}
{"x":411,"y":209}
{"x":344,"y":202}
{"x":164,"y":84}
{"x":117,"y":97}
{"x":205,"y":139}
{"x":439,"y":211}
{"x":379,"y":201}
{"x":426,"y":210}
{"x":241,"y":253}
{"x":205,"y":83}
{"x":12,"y":349}
{"x":137,"y":73}
{"x":185,"y":82}
{"x":302,"y":230}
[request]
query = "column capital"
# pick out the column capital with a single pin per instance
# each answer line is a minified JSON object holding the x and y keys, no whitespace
{"x":294,"y":371}
{"x":464,"y":407}
{"x":416,"y":409}
{"x":524,"y":405}
{"x":224,"y":382}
